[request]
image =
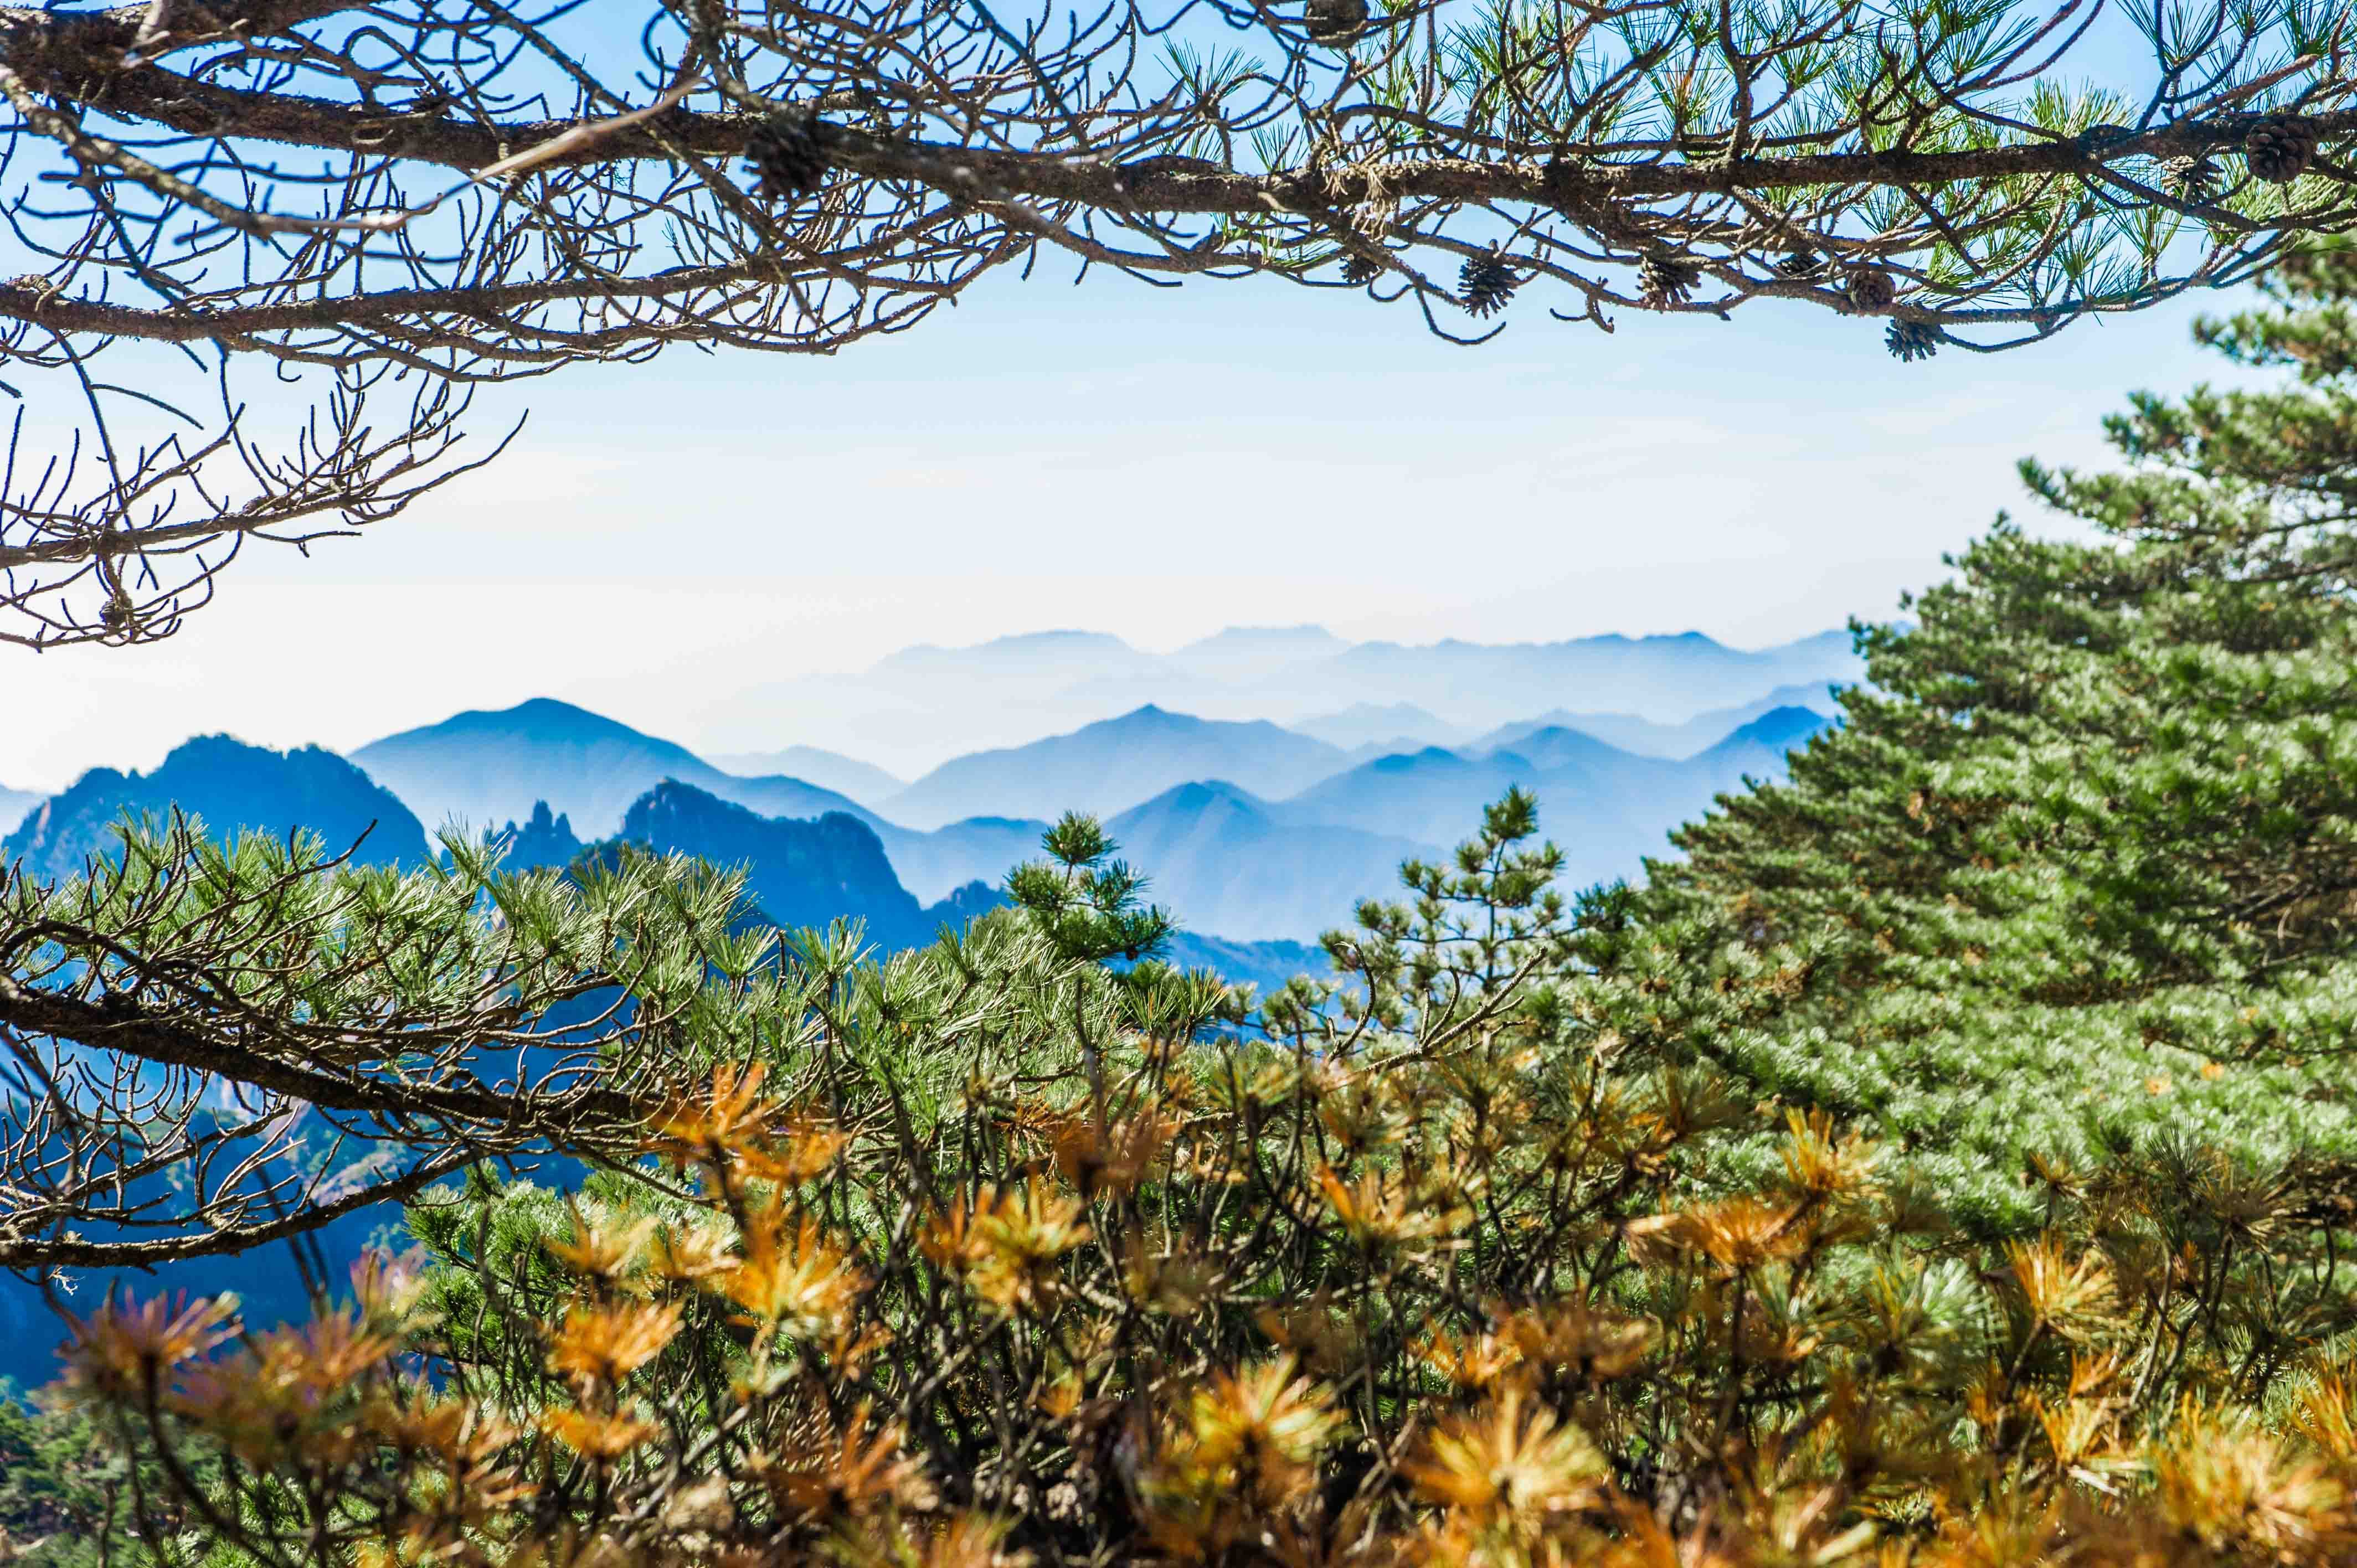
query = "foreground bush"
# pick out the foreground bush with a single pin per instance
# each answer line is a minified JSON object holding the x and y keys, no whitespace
{"x":1004,"y":1256}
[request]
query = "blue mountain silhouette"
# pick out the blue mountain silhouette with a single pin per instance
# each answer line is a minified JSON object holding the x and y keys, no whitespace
{"x":233,"y":787}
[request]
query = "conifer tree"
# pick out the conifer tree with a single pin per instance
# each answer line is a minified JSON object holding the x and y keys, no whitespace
{"x":2075,"y":877}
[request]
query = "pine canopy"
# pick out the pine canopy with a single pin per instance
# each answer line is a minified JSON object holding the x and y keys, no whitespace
{"x":2076,"y":874}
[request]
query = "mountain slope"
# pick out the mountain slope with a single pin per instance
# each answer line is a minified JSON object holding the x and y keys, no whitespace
{"x":1222,"y":861}
{"x":800,"y":873}
{"x":15,"y":805}
{"x":808,"y":872}
{"x":1428,"y":796}
{"x":1647,"y":737}
{"x":1114,"y":764}
{"x":1607,"y":808}
{"x":1759,"y":749}
{"x":1051,"y":656}
{"x":1398,"y":727}
{"x":979,"y":849}
{"x":231,"y":786}
{"x":1646,"y":675}
{"x":540,"y":844}
{"x":1246,"y":651}
{"x":861,"y":781}
{"x":488,"y":767}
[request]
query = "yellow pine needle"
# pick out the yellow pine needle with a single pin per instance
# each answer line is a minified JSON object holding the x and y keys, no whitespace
{"x":1513,"y":1464}
{"x":594,"y":1435}
{"x":603,"y":1250}
{"x":607,"y":1343}
{"x":793,"y":1279}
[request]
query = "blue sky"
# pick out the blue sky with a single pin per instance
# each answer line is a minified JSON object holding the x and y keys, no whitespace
{"x":666,"y":539}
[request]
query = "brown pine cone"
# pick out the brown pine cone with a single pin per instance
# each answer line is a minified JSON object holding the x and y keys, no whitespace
{"x":786,"y":158}
{"x":1871,"y":288}
{"x":1334,"y":22}
{"x":1667,"y":280}
{"x":2280,"y":147}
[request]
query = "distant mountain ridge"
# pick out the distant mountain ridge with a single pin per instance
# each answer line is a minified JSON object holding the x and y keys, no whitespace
{"x":1646,"y":737}
{"x":1391,"y":727}
{"x":861,"y":781}
{"x":1250,"y":829}
{"x":1232,"y":861}
{"x":482,"y":766}
{"x":1114,"y":764}
{"x":801,"y":872}
{"x":1226,"y":861}
{"x":910,"y":712}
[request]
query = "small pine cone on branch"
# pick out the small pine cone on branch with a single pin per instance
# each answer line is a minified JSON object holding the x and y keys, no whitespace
{"x":119,"y":615}
{"x":1487,"y":283}
{"x":786,"y":158}
{"x":1912,"y":340}
{"x":2193,"y":178}
{"x":1870,"y":289}
{"x":1360,"y":271}
{"x":2280,"y":147}
{"x":1334,"y":23}
{"x":1801,"y":263}
{"x":1667,"y":280}
{"x":1705,"y":146}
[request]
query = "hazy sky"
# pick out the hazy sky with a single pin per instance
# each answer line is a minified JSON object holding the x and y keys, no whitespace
{"x":1155,"y":463}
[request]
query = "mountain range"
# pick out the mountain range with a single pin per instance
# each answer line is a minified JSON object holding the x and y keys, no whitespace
{"x":475,"y":769}
{"x":1649,"y":737}
{"x":1116,"y":763}
{"x":1250,"y":832}
{"x":861,"y":781}
{"x":1378,"y":727}
{"x":913,"y":711}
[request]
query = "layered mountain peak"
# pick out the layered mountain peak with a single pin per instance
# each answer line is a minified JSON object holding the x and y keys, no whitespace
{"x":484,"y":766}
{"x":233,"y":788}
{"x":15,"y":805}
{"x":1112,"y":764}
{"x":1782,"y":728}
{"x":1785,"y":725}
{"x":801,"y":873}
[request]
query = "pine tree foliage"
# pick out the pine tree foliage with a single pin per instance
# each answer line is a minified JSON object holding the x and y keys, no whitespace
{"x":1003,"y":1257}
{"x":206,"y":1046}
{"x":387,"y":206}
{"x":2074,"y":877}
